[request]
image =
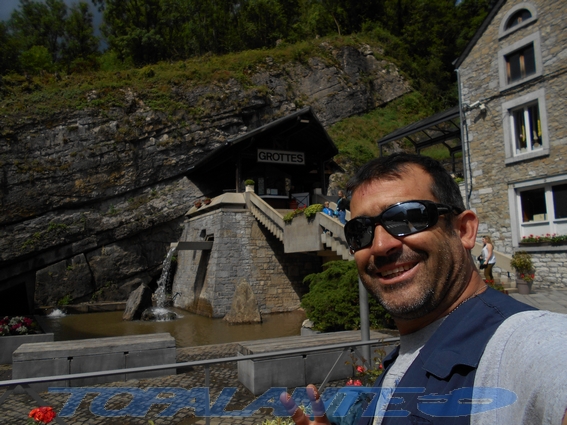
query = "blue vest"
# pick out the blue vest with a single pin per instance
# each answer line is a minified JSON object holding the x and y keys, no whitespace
{"x":449,"y":359}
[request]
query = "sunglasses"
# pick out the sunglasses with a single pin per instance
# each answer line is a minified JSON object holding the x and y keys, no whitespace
{"x":402,"y":219}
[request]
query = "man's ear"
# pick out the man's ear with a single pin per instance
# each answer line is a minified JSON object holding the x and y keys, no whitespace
{"x":467,"y":226}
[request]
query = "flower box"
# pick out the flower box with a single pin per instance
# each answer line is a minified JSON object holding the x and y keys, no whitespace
{"x":10,"y":343}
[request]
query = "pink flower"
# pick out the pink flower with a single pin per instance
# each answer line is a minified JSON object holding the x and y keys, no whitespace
{"x":354,"y":383}
{"x":360,"y":369}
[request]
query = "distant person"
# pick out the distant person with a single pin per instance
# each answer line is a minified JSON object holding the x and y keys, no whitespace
{"x":343,"y":204}
{"x":327,"y":210}
{"x":488,"y":257}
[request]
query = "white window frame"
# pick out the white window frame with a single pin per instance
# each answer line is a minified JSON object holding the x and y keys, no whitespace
{"x":502,"y":62}
{"x":503,"y":32}
{"x":509,"y":132}
{"x":550,"y":224}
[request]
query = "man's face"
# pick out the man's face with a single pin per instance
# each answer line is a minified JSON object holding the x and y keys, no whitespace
{"x":413,"y":275}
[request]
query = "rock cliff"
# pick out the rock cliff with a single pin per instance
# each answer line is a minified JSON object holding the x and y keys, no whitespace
{"x":90,"y":200}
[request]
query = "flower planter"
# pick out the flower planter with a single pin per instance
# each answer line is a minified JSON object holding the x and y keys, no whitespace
{"x":524,"y":288}
{"x":10,"y":343}
{"x":250,"y":188}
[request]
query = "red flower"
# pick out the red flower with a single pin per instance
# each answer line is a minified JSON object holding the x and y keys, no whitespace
{"x":360,"y":369}
{"x":42,"y":415}
{"x":354,"y":383}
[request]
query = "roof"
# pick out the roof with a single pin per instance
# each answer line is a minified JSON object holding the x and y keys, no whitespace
{"x":300,"y":130}
{"x":479,"y":32}
{"x":436,"y":129}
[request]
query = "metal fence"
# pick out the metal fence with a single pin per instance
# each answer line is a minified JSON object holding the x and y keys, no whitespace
{"x":12,"y":385}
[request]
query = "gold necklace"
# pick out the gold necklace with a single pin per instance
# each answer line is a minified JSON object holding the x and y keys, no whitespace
{"x":477,"y":292}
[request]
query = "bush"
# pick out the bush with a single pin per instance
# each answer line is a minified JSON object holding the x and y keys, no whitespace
{"x":332,"y":301}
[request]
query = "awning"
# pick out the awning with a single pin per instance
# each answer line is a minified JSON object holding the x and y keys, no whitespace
{"x":442,"y":128}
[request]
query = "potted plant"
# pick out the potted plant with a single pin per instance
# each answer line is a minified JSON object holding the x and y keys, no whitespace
{"x":525,"y":273}
{"x":198,"y":204}
{"x":207,"y":201}
{"x":249,"y":183}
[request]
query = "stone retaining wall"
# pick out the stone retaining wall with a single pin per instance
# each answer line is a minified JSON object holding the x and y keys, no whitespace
{"x":243,"y":251}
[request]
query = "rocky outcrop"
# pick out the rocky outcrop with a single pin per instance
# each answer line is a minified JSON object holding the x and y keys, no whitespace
{"x":139,"y":300}
{"x":244,"y":308}
{"x":109,"y":187}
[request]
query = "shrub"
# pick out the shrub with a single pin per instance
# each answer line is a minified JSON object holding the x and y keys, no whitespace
{"x":311,"y":210}
{"x":332,"y":301}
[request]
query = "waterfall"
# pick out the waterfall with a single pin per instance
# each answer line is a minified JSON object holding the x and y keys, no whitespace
{"x":164,"y":278}
{"x":160,"y":313}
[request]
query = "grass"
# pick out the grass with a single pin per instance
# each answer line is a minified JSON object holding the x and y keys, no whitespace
{"x":157,"y":84}
{"x":356,"y":136}
{"x":43,"y":94}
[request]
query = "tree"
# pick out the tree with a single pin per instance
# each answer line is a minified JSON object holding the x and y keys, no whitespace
{"x":9,"y":51}
{"x":40,"y":24}
{"x":132,"y":28}
{"x":80,"y":44}
{"x":262,"y":23}
{"x":36,"y":59}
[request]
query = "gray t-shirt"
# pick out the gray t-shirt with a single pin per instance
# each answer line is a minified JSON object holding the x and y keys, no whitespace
{"x":527,"y":355}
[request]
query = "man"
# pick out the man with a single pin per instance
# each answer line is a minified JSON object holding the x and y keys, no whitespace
{"x":411,"y":238}
{"x":342,"y":206}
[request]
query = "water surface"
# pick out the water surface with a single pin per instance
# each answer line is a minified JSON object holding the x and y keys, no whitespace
{"x":189,"y":330}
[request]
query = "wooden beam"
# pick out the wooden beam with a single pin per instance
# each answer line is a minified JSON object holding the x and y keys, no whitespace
{"x":194,"y":246}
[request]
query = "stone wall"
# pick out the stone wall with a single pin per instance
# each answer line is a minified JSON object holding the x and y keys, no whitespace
{"x":243,"y":251}
{"x":493,"y":179}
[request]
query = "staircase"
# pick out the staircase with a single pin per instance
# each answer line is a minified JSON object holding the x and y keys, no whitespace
{"x":322,"y":234}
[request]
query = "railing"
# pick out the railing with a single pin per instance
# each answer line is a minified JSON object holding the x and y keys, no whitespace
{"x":266,"y":215}
{"x":333,"y":236}
{"x":346,"y":347}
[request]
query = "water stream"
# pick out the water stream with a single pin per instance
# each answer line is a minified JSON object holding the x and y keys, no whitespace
{"x":188,"y":330}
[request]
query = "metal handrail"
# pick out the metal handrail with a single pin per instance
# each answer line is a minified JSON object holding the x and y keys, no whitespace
{"x":24,"y":383}
{"x":270,"y":355}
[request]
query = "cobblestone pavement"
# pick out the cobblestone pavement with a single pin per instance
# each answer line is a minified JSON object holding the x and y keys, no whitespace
{"x":17,"y":406}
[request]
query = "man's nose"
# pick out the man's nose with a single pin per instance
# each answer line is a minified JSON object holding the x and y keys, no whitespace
{"x":383,"y":244}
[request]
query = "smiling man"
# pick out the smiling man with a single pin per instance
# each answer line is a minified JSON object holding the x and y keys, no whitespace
{"x":411,"y":238}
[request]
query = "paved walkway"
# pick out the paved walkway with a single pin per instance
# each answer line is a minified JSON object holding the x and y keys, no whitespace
{"x":16,"y":407}
{"x":545,"y":299}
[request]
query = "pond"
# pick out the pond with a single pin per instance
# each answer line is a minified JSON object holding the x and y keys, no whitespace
{"x":189,"y":330}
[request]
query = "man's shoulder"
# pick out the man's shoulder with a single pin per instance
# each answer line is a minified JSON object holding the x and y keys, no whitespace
{"x":535,"y":323}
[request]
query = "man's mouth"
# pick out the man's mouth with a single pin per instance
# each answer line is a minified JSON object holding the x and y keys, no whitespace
{"x":395,"y":272}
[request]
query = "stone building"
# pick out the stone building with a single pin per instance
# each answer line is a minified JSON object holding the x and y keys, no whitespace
{"x":513,"y":86}
{"x":236,"y":249}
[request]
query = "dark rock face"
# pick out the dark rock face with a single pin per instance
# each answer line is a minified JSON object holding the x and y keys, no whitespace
{"x":95,"y":198}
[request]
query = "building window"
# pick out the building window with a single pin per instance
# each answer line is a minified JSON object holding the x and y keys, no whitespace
{"x":525,"y":127}
{"x":520,"y":62}
{"x":542,"y":208}
{"x":519,"y":16}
